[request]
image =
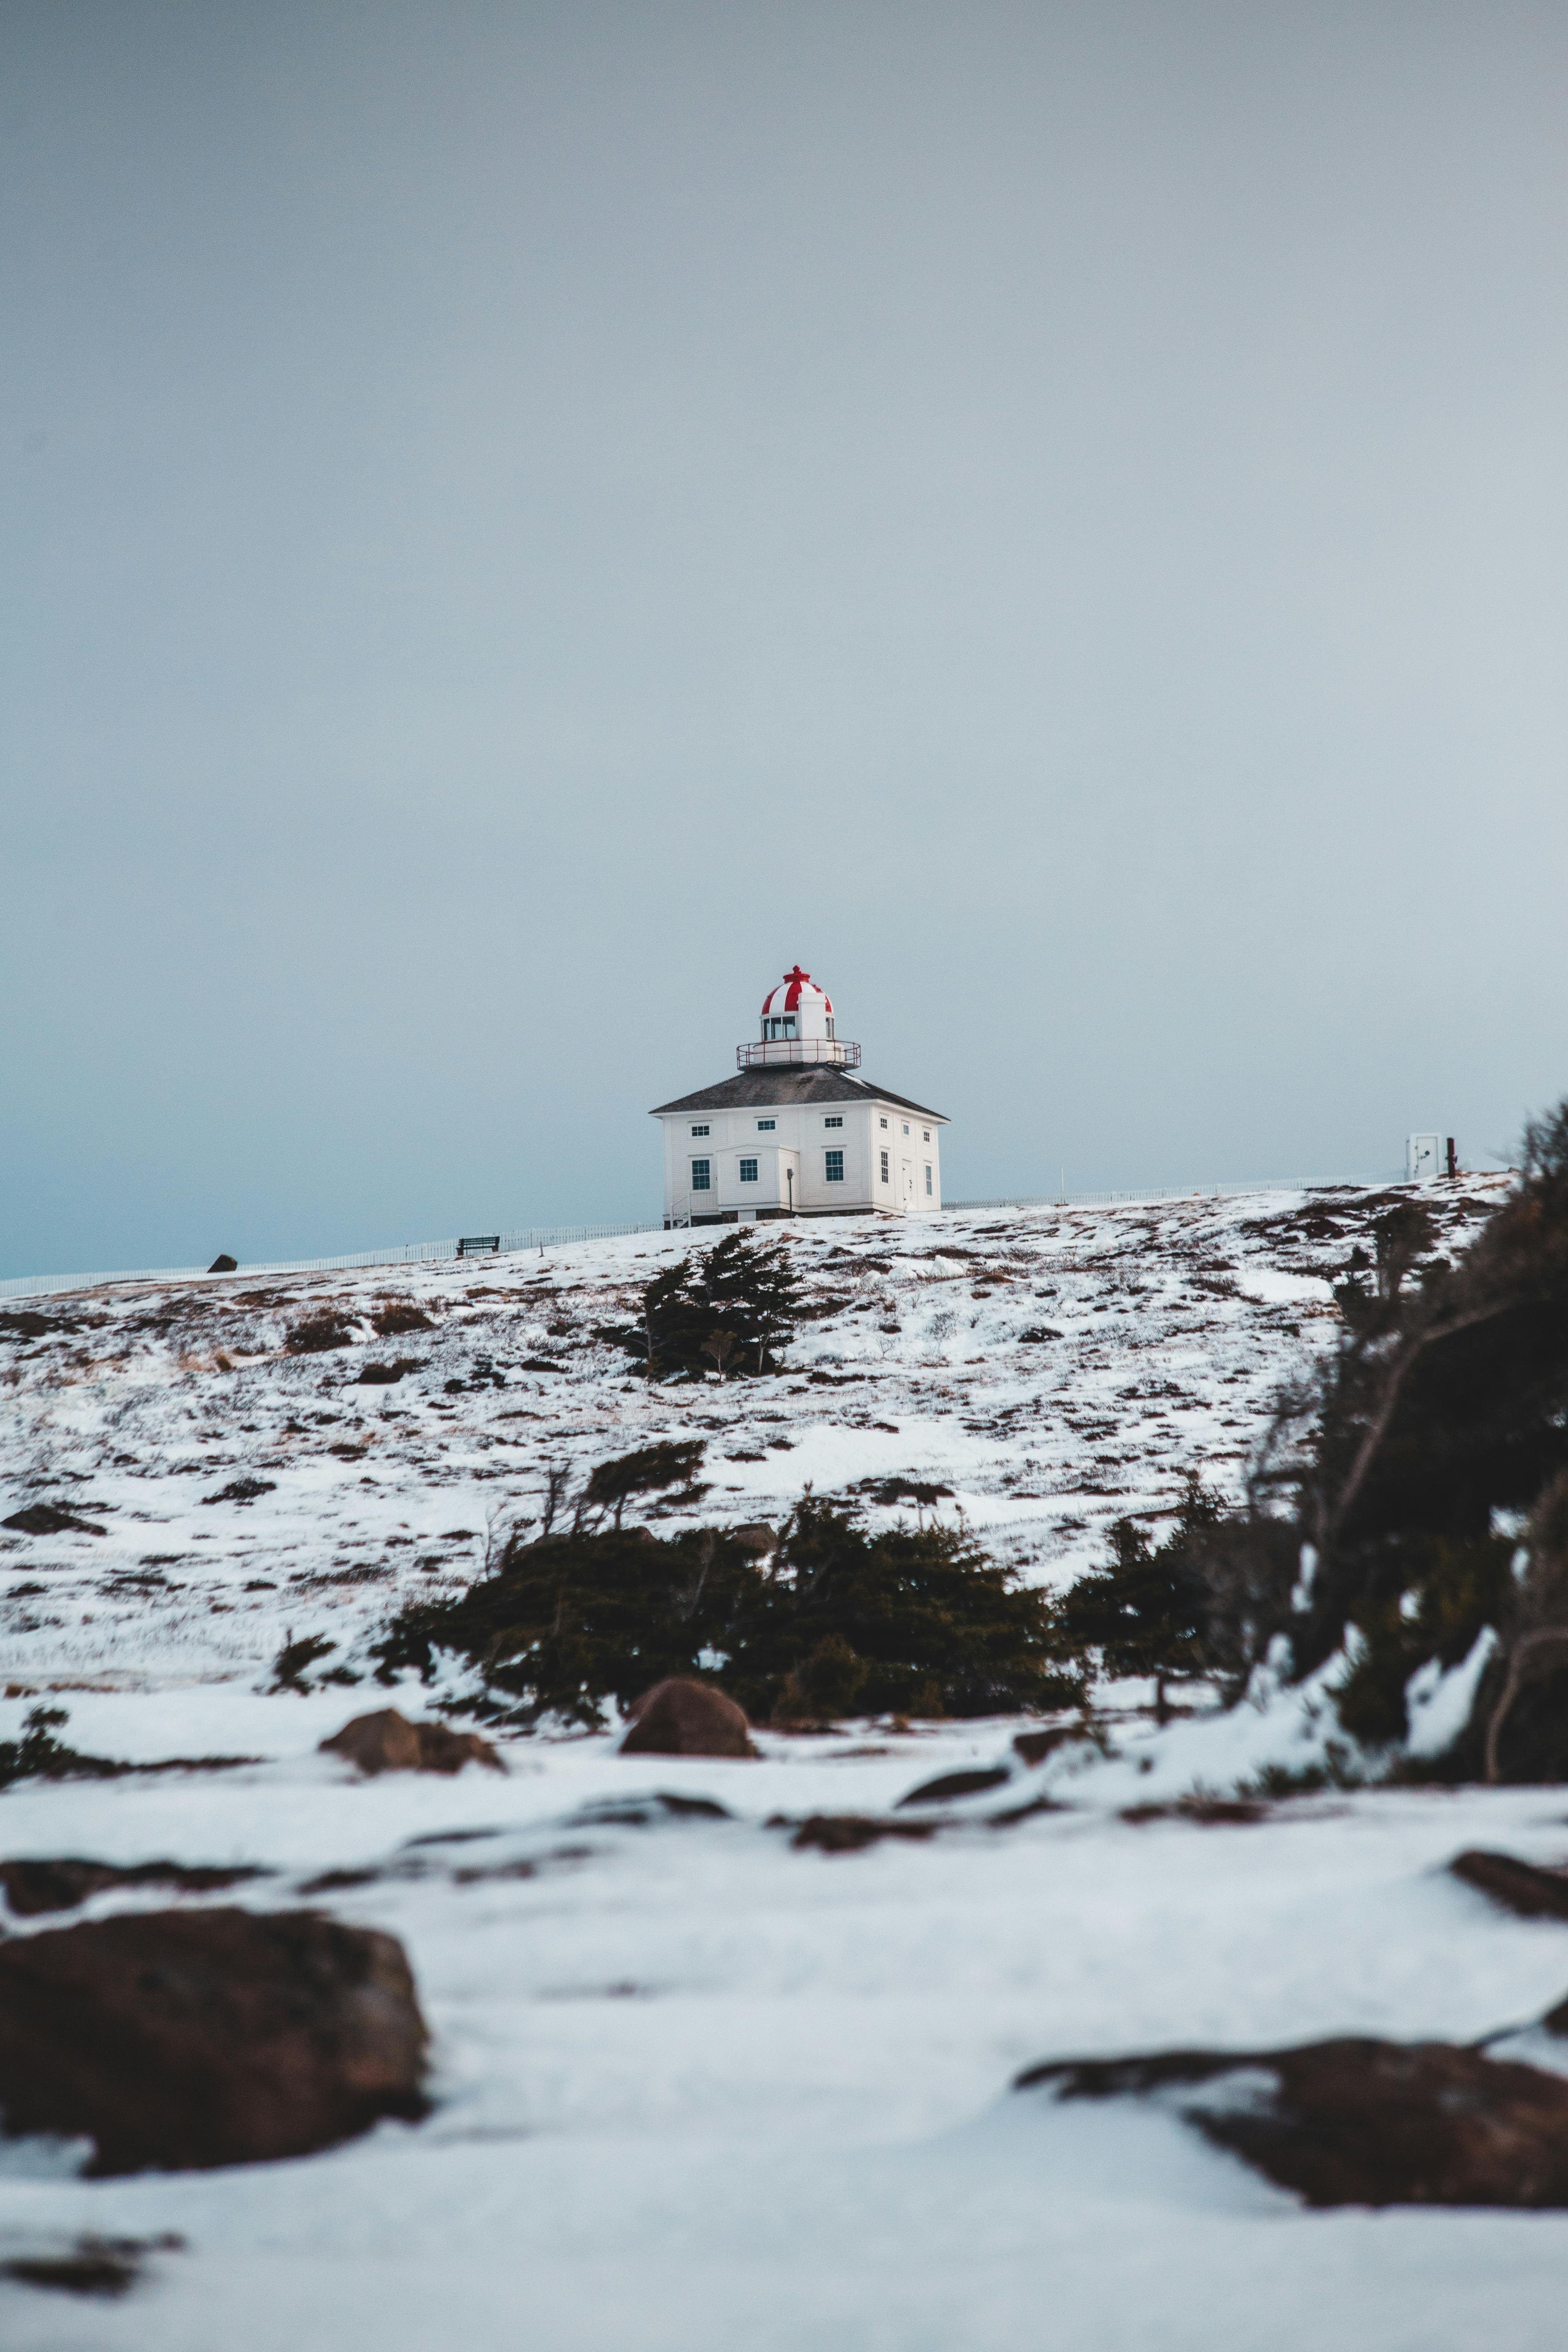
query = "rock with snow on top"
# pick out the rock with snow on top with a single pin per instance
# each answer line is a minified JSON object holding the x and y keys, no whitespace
{"x":1359,"y":2121}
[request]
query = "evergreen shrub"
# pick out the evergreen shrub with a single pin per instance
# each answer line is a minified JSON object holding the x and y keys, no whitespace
{"x":733,"y":1309}
{"x":911,"y":1621}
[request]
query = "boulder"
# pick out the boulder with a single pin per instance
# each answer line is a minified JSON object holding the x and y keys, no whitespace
{"x":186,"y":2038}
{"x":756,"y":1538}
{"x":1358,"y":2121}
{"x":678,"y":1717}
{"x":387,"y":1742}
{"x":224,"y":1264}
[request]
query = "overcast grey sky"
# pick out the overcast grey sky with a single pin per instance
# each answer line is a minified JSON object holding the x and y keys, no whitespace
{"x":519,"y":522}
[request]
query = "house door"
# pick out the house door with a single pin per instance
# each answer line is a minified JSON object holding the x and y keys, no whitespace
{"x":908,"y":1166}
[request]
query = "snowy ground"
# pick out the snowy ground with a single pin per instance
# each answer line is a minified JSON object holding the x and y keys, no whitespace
{"x":695,"y":2086}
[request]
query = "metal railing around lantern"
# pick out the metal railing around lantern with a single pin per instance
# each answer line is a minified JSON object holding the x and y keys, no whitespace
{"x":783,"y":1052}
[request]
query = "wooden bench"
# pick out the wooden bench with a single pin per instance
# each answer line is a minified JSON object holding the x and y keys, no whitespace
{"x":479,"y":1244}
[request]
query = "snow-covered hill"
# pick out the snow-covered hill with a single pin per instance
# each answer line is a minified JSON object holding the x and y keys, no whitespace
{"x":698,"y":2084}
{"x":1054,"y":1369}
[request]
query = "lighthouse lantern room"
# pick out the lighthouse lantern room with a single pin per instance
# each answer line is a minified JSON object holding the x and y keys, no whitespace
{"x":793,"y":1133}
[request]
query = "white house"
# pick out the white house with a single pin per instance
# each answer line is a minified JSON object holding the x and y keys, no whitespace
{"x":793,"y":1134}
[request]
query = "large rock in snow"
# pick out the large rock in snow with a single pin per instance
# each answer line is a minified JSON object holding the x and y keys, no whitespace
{"x":678,"y":1717}
{"x":181,"y":2039}
{"x":387,"y":1742}
{"x":1358,"y":2121}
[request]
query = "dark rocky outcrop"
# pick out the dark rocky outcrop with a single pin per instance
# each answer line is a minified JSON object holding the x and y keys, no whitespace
{"x":1208,"y":1812}
{"x":387,"y":1742}
{"x":1034,"y":1747}
{"x":187,"y":2039}
{"x":678,"y":1717}
{"x":224,"y":1264}
{"x":1358,"y":2121}
{"x":60,"y":1882}
{"x":947,"y":1785}
{"x":91,"y":2265}
{"x":1520,"y":1886}
{"x":853,"y":1832}
{"x":50,"y":1519}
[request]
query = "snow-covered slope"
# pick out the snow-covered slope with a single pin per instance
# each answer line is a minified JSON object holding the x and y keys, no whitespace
{"x":1054,"y":1367}
{"x":697,"y":2085}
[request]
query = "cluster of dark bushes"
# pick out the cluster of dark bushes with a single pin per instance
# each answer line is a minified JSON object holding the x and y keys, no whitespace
{"x":1411,"y":1496}
{"x":832,"y":1620}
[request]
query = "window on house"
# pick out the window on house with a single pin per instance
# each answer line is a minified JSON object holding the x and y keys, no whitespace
{"x":833,"y":1122}
{"x":925,"y":1134}
{"x":884,"y":1178}
{"x":883,"y":1122}
{"x":763,"y":1125}
{"x":702,"y":1175}
{"x":927,"y":1179}
{"x":834,"y":1169}
{"x":700,"y":1130}
{"x":749,"y":1172}
{"x":906,"y":1127}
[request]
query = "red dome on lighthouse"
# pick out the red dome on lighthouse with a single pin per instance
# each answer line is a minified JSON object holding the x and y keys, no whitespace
{"x":797,"y":1028}
{"x":796,"y":992}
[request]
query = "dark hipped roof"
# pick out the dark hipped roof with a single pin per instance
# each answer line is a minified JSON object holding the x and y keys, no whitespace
{"x":817,"y":1084}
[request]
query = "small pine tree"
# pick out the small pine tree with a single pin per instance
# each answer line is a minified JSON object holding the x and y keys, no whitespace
{"x":647,"y":1472}
{"x":744,"y":1293}
{"x":1145,"y":1611}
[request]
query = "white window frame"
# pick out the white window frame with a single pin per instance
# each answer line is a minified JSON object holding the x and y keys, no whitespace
{"x":766,"y":1125}
{"x":928,"y":1195}
{"x":702,"y":1130}
{"x":887,"y":1164}
{"x":833,"y":1122}
{"x":702,"y":1175}
{"x":832,"y":1175}
{"x":748,"y":1171}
